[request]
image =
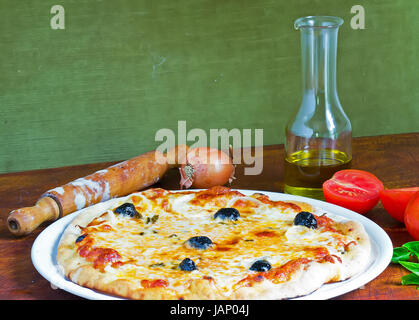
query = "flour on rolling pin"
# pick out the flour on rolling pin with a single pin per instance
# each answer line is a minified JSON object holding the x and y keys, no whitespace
{"x":85,"y":191}
{"x":118,"y":180}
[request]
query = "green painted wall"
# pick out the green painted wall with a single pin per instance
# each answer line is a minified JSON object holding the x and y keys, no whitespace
{"x":100,"y":89}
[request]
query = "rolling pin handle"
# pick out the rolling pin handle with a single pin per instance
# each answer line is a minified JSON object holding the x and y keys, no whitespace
{"x":23,"y":221}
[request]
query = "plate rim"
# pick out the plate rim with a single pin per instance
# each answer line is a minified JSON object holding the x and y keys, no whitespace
{"x":382,"y":258}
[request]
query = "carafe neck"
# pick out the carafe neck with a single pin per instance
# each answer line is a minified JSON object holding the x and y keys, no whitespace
{"x":318,"y":48}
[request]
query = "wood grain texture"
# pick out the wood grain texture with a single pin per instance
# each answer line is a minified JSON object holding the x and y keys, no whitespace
{"x":393,"y":158}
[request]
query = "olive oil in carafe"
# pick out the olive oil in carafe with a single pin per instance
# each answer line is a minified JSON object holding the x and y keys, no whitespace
{"x":306,"y":170}
{"x":318,"y":136}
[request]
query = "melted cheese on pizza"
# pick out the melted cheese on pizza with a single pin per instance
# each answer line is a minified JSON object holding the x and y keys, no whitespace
{"x":149,"y":247}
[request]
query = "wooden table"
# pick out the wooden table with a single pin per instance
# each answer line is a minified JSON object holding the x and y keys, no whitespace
{"x":393,"y":158}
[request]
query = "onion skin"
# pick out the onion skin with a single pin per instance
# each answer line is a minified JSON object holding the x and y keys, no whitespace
{"x":205,"y":168}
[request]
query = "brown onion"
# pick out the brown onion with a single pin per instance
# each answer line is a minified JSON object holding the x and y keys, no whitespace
{"x":205,"y":168}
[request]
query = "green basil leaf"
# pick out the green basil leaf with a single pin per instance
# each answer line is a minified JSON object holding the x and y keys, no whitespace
{"x":411,"y":278}
{"x":400,"y":254}
{"x":411,"y":266}
{"x":413,"y":247}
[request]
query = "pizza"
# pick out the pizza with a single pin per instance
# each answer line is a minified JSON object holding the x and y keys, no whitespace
{"x":216,"y":243}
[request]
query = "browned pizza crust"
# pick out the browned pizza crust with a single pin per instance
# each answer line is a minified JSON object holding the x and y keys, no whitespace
{"x":305,"y":279}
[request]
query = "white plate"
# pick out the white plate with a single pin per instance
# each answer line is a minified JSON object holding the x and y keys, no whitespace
{"x":44,"y":251}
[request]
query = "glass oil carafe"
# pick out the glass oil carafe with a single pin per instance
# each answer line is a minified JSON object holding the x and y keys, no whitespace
{"x":319,"y":136}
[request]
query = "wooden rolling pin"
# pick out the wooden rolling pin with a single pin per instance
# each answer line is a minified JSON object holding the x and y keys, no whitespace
{"x":116,"y":181}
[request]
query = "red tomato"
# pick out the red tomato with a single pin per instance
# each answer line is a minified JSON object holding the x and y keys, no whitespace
{"x":356,"y":190}
{"x":395,"y":201}
{"x":411,"y":216}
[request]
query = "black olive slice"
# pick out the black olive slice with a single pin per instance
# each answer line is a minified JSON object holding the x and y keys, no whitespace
{"x":187,"y":265}
{"x":227,"y":214}
{"x":80,"y":238}
{"x":260,"y":266}
{"x":127,"y":209}
{"x":199,"y":242}
{"x":305,"y":219}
